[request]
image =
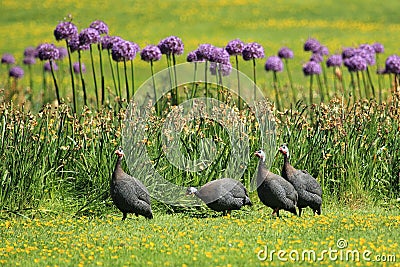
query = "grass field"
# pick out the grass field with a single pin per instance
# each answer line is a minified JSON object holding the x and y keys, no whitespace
{"x":355,"y":236}
{"x":56,"y":163}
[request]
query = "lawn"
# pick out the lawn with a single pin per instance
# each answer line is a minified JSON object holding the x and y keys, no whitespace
{"x":341,"y":236}
{"x":56,"y":161}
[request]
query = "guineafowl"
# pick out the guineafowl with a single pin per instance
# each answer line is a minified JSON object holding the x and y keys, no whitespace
{"x":128,"y":193}
{"x":309,"y":190}
{"x":222,"y":195}
{"x":274,"y":191}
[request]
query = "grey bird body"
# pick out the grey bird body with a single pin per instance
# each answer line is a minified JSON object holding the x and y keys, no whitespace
{"x":224,"y":195}
{"x":128,"y":193}
{"x":274,"y":191}
{"x":308,"y":188}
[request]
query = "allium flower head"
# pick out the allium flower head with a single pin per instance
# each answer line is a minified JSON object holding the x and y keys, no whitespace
{"x":100,"y":26}
{"x":204,"y":52}
{"x":74,"y":44}
{"x":16,"y":72}
{"x":171,"y":45}
{"x":63,"y":52}
{"x":311,"y":68}
{"x":224,"y":69}
{"x":317,"y":57}
{"x":378,"y":47}
{"x":29,"y":60}
{"x":65,"y":30}
{"x":76,"y":68}
{"x":235,"y":47}
{"x":312,"y":45}
{"x":30,"y":52}
{"x":285,"y":52}
{"x":7,"y":59}
{"x":355,"y":63}
{"x":47,"y":66}
{"x":108,"y":41}
{"x":392,"y":64}
{"x":150,"y":53}
{"x":274,"y":63}
{"x":323,"y":50}
{"x":348,"y":52}
{"x":124,"y":50}
{"x":367,"y":52}
{"x":48,"y":51}
{"x":253,"y":50}
{"x":334,"y":61}
{"x":219,"y":55}
{"x":192,"y":56}
{"x":89,"y":36}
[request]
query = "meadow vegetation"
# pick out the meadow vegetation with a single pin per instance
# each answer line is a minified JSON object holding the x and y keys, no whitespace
{"x":56,"y":159}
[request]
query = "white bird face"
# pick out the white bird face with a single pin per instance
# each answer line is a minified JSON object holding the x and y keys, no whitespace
{"x":260,"y":154}
{"x":284,"y":150}
{"x":119,"y":152}
{"x":191,"y":191}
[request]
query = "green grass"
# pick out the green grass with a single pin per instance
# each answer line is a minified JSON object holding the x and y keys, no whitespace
{"x":201,"y":238}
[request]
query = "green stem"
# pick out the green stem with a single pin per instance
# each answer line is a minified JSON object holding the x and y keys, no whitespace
{"x":102,"y":75}
{"x":71,"y":71}
{"x":133,"y":78}
{"x":94,"y":77}
{"x":276,"y":87}
{"x":310,"y":89}
{"x":112,"y":72}
{"x":126,"y":82}
{"x":82,"y":79}
{"x":238,"y":82}
{"x":290,"y":80}
{"x":55,"y":82}
{"x":154,"y":86}
{"x":255,"y":80}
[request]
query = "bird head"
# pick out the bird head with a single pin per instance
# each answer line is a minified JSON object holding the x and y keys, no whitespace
{"x":119,"y":152}
{"x":260,"y":154}
{"x":191,"y":191}
{"x":284,"y":150}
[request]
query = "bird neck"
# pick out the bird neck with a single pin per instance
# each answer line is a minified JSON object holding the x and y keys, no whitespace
{"x":118,"y":168}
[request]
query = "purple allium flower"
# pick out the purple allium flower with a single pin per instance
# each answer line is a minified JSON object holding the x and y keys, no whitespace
{"x":235,"y":47}
{"x":74,"y":44}
{"x":47,"y":66}
{"x":392,"y":64}
{"x":225,"y":69}
{"x":150,"y":53}
{"x":204,"y":52}
{"x":311,"y":68}
{"x":355,"y":63}
{"x":317,"y":57}
{"x":30,"y":52}
{"x":89,"y":36}
{"x":323,"y":50}
{"x":171,"y":45}
{"x":65,"y":30}
{"x":367,"y":52}
{"x":334,"y":61}
{"x":7,"y":59}
{"x":29,"y":61}
{"x":47,"y":51}
{"x":312,"y":45}
{"x":219,"y":55}
{"x":378,"y":47}
{"x":192,"y":56}
{"x":124,"y":50}
{"x":253,"y":50}
{"x":285,"y":52}
{"x":274,"y":63}
{"x":348,"y":52}
{"x":16,"y":72}
{"x":107,"y":41}
{"x":63,"y":52}
{"x":100,"y":26}
{"x":76,"y":68}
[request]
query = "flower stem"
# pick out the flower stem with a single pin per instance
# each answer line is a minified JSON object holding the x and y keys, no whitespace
{"x":94,"y":77}
{"x":126,"y":82}
{"x":238,"y":83}
{"x":82,"y":79}
{"x":112,"y":72}
{"x":133,"y":78}
{"x":290,"y":80}
{"x":102,"y":75}
{"x":55,"y":82}
{"x":71,"y":71}
{"x":154,"y":86}
{"x":275,"y":82}
{"x":255,"y":80}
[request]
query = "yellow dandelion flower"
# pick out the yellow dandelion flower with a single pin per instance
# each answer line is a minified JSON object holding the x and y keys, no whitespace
{"x":208,"y":254}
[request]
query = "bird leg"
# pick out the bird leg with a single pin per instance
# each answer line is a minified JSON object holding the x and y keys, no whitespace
{"x":276,"y":212}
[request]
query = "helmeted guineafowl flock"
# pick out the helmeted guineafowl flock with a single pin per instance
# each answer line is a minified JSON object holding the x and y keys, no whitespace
{"x":294,"y":188}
